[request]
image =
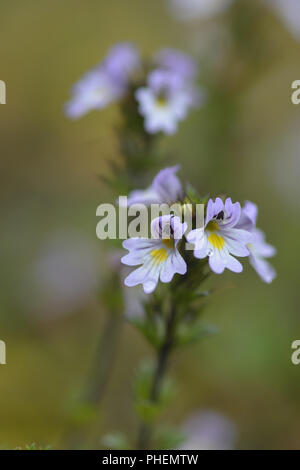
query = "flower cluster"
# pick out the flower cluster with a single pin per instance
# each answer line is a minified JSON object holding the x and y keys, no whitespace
{"x":163,"y":95}
{"x":229,"y":231}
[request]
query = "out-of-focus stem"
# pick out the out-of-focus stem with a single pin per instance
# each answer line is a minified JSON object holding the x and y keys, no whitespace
{"x":99,"y":374}
{"x":145,"y":431}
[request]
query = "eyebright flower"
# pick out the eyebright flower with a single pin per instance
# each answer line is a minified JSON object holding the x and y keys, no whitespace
{"x":220,"y":238}
{"x":94,"y":91}
{"x":106,"y":83}
{"x":165,"y":101}
{"x":259,"y":249}
{"x":158,"y":256}
{"x":165,"y":188}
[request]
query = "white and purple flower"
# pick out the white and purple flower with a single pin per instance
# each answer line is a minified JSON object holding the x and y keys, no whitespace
{"x":220,"y":239}
{"x":165,"y":101}
{"x":159,"y":256}
{"x":259,"y":249}
{"x":106,"y":83}
{"x":165,"y":188}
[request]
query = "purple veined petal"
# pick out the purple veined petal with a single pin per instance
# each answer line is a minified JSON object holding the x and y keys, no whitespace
{"x":199,"y":239}
{"x":174,"y":264}
{"x":263,"y":268}
{"x":138,"y":243}
{"x":138,"y":250}
{"x":167,"y":226}
{"x":179,"y":263}
{"x":136,"y":277}
{"x":179,"y":230}
{"x":158,"y":224}
{"x":209,"y":211}
{"x":237,"y":234}
{"x":135,"y":257}
{"x":213,"y":208}
{"x":237,"y":247}
{"x":147,"y":275}
{"x":232,"y":213}
{"x":260,"y":246}
{"x":149,"y":284}
{"x":234,"y":265}
{"x":216,"y":262}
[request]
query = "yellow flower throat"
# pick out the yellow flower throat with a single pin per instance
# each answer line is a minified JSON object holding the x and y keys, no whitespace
{"x":214,"y":239}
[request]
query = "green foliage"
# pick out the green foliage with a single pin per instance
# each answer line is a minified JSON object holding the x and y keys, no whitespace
{"x":168,"y":438}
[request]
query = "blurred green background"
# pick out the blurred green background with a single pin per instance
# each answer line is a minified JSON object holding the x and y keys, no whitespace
{"x":245,"y":141}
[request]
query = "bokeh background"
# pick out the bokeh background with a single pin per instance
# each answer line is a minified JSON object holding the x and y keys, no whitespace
{"x":244,"y":141}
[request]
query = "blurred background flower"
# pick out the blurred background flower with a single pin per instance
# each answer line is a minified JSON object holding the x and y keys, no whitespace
{"x":209,"y":430}
{"x":65,"y":275}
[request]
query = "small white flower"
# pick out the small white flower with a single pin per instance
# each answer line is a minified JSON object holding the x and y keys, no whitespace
{"x":220,"y":239}
{"x":106,"y":83}
{"x":94,"y":91}
{"x":159,"y":256}
{"x":165,"y":101}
